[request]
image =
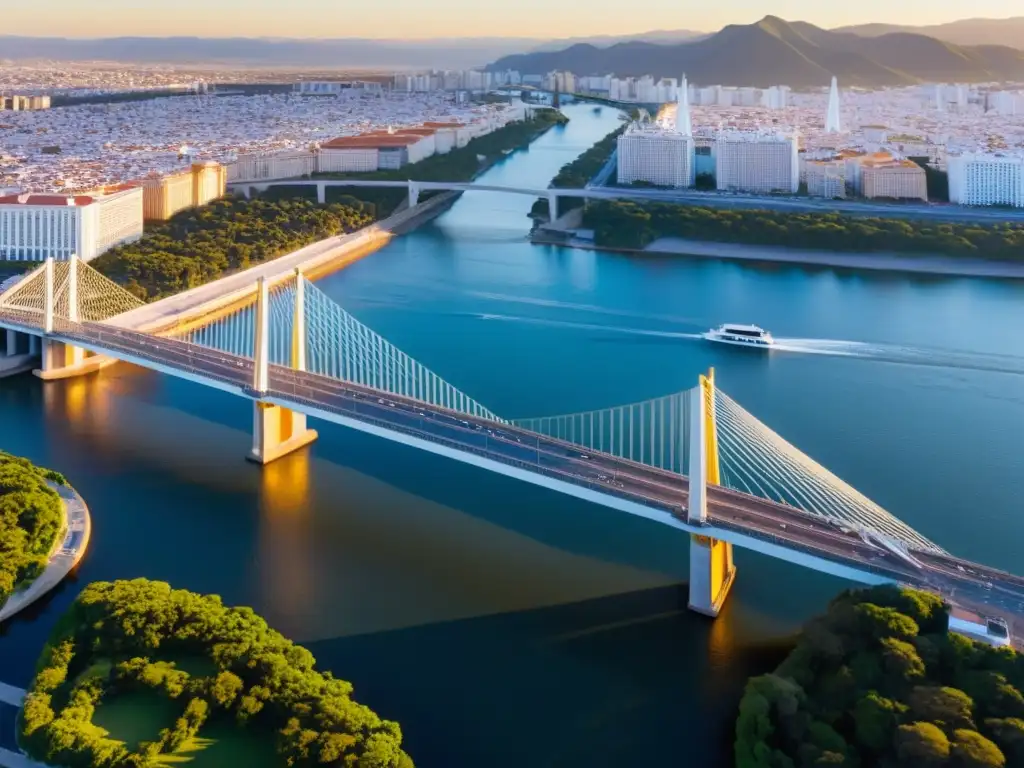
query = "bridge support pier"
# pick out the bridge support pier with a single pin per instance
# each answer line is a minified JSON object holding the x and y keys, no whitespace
{"x":552,"y":206}
{"x":65,"y":361}
{"x":321,"y":193}
{"x":712,"y":570}
{"x":414,"y":194}
{"x":278,"y":431}
{"x":12,"y":338}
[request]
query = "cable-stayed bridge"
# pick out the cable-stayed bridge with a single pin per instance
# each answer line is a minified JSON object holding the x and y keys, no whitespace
{"x":694,"y":460}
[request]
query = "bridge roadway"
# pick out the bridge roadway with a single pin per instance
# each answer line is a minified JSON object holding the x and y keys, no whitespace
{"x":746,"y":520}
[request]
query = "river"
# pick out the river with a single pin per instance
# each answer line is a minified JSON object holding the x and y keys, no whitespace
{"x":503,"y":625}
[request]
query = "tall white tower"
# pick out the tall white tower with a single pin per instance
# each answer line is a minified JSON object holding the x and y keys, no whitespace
{"x":683,"y":124}
{"x":832,"y":124}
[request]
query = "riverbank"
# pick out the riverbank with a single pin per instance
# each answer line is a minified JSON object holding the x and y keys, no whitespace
{"x":315,"y":260}
{"x":929,"y":264}
{"x":68,"y":550}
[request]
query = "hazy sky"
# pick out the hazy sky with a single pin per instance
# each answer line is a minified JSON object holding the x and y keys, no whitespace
{"x":454,"y":18}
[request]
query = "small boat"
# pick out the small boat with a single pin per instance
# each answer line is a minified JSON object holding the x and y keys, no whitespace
{"x":741,"y":335}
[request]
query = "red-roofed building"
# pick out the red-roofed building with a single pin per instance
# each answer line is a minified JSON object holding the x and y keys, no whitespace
{"x":385,"y":149}
{"x":34,"y":227}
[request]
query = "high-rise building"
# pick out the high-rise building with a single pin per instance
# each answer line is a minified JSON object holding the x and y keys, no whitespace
{"x":987,"y":179}
{"x":757,"y":161}
{"x":832,"y":120}
{"x":35,"y":227}
{"x":656,"y":156}
{"x":683,"y":123}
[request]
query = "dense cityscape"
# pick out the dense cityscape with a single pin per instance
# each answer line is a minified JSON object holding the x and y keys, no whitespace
{"x":372,"y":415}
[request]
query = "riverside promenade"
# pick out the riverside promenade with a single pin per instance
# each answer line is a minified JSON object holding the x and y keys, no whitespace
{"x":314,"y":260}
{"x":67,"y":551}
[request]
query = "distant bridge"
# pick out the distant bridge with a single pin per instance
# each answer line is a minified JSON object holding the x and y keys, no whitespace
{"x":693,"y":460}
{"x":778,"y":203}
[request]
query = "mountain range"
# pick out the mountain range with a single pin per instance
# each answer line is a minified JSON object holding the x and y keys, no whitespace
{"x":773,"y":51}
{"x":1008,"y":32}
{"x":463,"y":53}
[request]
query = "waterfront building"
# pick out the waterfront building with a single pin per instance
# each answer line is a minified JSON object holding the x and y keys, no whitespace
{"x":164,"y":196}
{"x":260,"y":166}
{"x":392,"y":150}
{"x":655,"y":155}
{"x":760,"y":162}
{"x":892,"y":178}
{"x":987,"y":179}
{"x":34,"y":227}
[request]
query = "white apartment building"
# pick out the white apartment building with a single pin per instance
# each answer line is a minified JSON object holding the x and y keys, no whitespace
{"x":987,"y":179}
{"x":352,"y":160}
{"x":278,"y":165}
{"x":656,"y":156}
{"x":35,"y":227}
{"x":758,"y":162}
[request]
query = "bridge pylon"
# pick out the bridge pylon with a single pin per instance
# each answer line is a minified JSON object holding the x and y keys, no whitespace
{"x":712,"y":570}
{"x":277,"y":431}
{"x":58,"y":359}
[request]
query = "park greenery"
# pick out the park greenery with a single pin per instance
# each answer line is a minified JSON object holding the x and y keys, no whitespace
{"x":579,"y":172}
{"x":231,"y":234}
{"x":630,"y":225}
{"x":880,"y":682}
{"x":138,"y":674}
{"x":31,"y":517}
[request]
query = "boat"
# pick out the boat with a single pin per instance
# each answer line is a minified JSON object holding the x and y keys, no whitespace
{"x":741,"y":335}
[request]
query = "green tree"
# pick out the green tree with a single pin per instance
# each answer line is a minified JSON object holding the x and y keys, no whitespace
{"x":922,"y":745}
{"x":1008,"y":734}
{"x":949,"y":707}
{"x":902,"y":664}
{"x":972,"y":750}
{"x":875,"y":721}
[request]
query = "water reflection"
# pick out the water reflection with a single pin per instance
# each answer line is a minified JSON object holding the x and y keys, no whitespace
{"x":285,"y":568}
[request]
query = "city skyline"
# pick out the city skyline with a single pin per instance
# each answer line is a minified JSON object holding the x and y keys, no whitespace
{"x":411,"y":20}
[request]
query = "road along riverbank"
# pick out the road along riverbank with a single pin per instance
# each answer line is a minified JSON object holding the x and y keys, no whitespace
{"x":930,"y":264}
{"x":68,"y":550}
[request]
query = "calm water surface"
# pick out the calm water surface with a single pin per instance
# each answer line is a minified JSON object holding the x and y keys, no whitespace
{"x":504,"y":625}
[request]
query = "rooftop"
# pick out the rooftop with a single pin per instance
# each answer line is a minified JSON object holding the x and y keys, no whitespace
{"x":30,"y":199}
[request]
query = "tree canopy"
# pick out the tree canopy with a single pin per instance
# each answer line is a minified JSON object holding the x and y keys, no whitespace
{"x":880,"y":681}
{"x":202,"y":244}
{"x":31,"y":517}
{"x":631,"y":225}
{"x":125,"y":637}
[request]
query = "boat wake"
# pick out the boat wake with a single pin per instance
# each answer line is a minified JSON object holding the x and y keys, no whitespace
{"x":616,"y":329}
{"x":879,"y":353}
{"x":933,"y":357}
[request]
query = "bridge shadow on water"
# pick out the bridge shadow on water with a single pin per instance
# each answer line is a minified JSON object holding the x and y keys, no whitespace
{"x":613,"y":681}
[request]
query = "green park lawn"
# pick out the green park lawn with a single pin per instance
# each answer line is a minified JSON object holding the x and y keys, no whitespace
{"x":136,"y":717}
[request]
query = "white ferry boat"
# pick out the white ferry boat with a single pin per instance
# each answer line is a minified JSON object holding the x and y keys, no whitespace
{"x":741,"y":335}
